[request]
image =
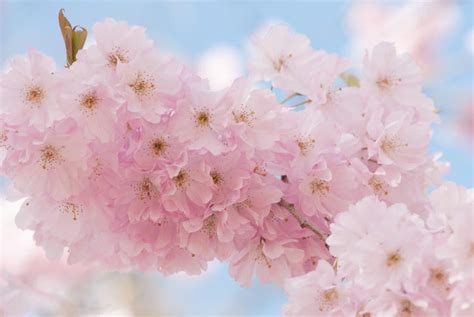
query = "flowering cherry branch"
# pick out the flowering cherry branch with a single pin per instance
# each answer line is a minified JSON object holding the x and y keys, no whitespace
{"x":128,"y":158}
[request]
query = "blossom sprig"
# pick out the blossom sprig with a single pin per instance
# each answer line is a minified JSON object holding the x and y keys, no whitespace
{"x":127,"y":158}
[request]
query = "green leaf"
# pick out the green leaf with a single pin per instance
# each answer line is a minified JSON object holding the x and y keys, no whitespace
{"x":74,"y":38}
{"x":78,"y":40}
{"x":350,"y":80}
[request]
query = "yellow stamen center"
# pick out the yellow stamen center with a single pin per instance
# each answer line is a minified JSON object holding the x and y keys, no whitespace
{"x":320,"y":187}
{"x":49,"y":155}
{"x":305,"y":145}
{"x":142,"y":85}
{"x":71,"y":208}
{"x":391,"y":144}
{"x":34,"y":95}
{"x":216,"y":177}
{"x":203,"y":118}
{"x":378,"y":185}
{"x":393,"y":259}
{"x":158,"y":146}
{"x":328,"y":299}
{"x":181,"y":179}
{"x":145,"y":189}
{"x":118,"y":54}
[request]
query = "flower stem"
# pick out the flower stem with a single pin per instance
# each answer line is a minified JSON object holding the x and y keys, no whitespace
{"x":301,"y":103}
{"x":289,"y":97}
{"x":303,"y":222}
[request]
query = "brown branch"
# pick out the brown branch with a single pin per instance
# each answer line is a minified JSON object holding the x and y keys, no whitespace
{"x":289,"y":97}
{"x":301,"y":103}
{"x":303,"y":222}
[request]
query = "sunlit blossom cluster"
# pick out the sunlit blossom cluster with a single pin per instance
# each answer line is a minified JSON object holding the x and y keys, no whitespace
{"x":128,"y":159}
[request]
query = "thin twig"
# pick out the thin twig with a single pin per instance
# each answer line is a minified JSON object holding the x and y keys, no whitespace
{"x":303,"y":222}
{"x":289,"y":97}
{"x":301,"y":103}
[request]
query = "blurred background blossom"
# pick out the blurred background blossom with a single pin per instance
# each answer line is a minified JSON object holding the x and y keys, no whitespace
{"x":418,"y":27}
{"x":212,"y":37}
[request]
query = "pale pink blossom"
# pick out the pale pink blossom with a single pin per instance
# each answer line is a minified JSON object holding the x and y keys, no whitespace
{"x":254,"y":114}
{"x":394,"y":232}
{"x":29,"y":91}
{"x":417,"y":27}
{"x":53,"y":164}
{"x":211,"y":236}
{"x":388,"y":303}
{"x":188,"y":189}
{"x":270,"y":259}
{"x":230,"y":173}
{"x":318,"y":293}
{"x":315,"y":78}
{"x":150,"y":84}
{"x":278,"y":52}
{"x":201,"y":118}
{"x":396,"y":140}
{"x":91,"y":102}
{"x":116,"y":43}
{"x":390,"y":76}
{"x":314,"y":137}
{"x":327,"y":189}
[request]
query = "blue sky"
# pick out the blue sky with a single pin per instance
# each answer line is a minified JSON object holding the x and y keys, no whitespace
{"x":191,"y":27}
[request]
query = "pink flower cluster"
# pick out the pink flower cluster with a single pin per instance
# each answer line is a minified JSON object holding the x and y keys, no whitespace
{"x":129,"y":159}
{"x":393,"y":262}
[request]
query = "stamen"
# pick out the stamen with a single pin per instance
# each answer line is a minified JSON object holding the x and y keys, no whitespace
{"x":158,"y":146}
{"x":391,"y":144}
{"x":209,"y":225}
{"x":244,"y":115}
{"x":145,"y":189}
{"x":281,"y":63}
{"x":378,"y":185}
{"x":34,"y":95}
{"x":3,"y":139}
{"x":217,"y":178}
{"x":260,"y":170}
{"x":118,"y":54}
{"x":72,"y":208}
{"x":97,"y":169}
{"x":89,"y":101}
{"x":386,"y":82}
{"x":305,"y":144}
{"x":438,"y":275}
{"x":142,"y":85}
{"x":393,"y":259}
{"x":181,"y":179}
{"x":406,"y":308}
{"x":49,"y":156}
{"x":260,"y":256}
{"x":202,"y":118}
{"x":320,"y":187}
{"x":247,"y":203}
{"x":328,"y":299}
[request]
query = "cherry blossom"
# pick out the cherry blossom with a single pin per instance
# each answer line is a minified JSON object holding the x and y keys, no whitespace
{"x":391,"y":76}
{"x":322,"y":186}
{"x":29,"y":91}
